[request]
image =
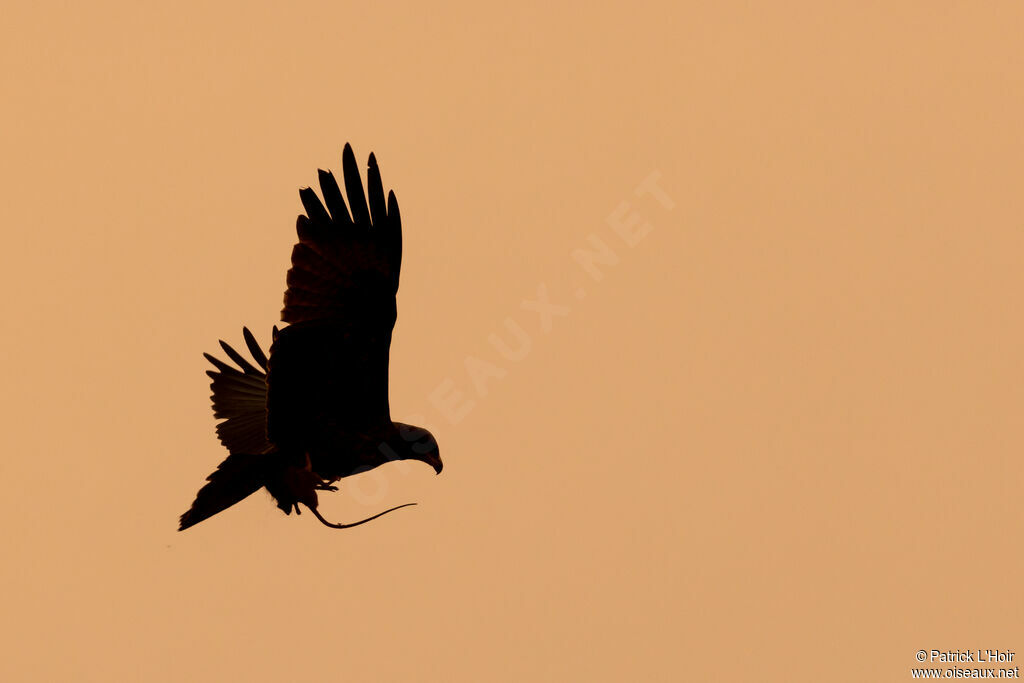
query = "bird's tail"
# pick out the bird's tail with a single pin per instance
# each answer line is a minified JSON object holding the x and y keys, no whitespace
{"x":239,"y":476}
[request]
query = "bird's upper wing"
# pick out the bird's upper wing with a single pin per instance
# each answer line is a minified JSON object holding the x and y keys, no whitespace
{"x":328,"y":370}
{"x":345,"y":267}
{"x":240,"y":398}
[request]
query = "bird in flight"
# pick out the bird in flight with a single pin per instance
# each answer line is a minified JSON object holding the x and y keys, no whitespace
{"x":316,"y":410}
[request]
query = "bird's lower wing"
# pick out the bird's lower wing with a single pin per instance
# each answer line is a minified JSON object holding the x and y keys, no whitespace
{"x":240,"y":398}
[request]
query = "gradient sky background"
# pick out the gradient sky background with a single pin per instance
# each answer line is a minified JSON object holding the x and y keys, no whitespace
{"x":779,"y":439}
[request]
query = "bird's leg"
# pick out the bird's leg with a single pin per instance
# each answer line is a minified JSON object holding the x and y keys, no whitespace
{"x":325,"y":484}
{"x":321,"y":483}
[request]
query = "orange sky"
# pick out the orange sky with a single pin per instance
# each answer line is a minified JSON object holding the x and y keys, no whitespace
{"x":775,"y":435}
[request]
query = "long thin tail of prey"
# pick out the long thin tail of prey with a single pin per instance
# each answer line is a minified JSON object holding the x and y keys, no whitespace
{"x":362,"y":521}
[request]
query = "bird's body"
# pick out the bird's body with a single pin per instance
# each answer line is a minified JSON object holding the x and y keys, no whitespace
{"x":317,"y":409}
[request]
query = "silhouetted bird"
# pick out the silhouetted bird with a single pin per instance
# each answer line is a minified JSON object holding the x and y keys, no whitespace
{"x":317,"y":409}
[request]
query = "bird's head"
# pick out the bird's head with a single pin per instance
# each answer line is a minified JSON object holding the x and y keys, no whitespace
{"x":415,"y":443}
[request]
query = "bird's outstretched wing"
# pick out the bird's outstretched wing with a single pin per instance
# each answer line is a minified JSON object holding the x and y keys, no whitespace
{"x":328,"y":371}
{"x":240,"y":398}
{"x":345,"y":267}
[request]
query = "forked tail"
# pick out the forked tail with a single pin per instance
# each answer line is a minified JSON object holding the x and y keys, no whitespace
{"x":239,"y":476}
